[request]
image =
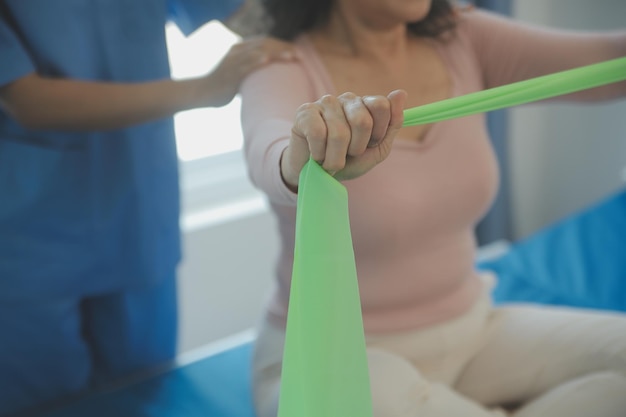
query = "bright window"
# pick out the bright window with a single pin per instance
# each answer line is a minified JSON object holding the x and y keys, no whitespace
{"x":214,"y":183}
{"x":209,"y":131}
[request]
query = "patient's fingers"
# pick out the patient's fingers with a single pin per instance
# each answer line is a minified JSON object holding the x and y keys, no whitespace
{"x":379,"y":109}
{"x":359,"y":121}
{"x":310,"y":127}
{"x":338,"y":133}
{"x":397,"y":101}
{"x":335,"y":131}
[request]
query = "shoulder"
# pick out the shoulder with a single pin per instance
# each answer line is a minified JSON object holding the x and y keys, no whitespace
{"x":483,"y":26}
{"x":300,"y":77}
{"x":473,"y":21}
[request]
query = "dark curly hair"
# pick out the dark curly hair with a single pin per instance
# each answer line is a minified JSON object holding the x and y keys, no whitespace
{"x":289,"y":18}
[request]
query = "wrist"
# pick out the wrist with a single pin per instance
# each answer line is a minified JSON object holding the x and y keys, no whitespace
{"x":215,"y":90}
{"x":196,"y":92}
{"x":287,"y":175}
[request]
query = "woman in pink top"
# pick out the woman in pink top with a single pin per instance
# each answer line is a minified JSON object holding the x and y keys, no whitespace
{"x":436,"y":345}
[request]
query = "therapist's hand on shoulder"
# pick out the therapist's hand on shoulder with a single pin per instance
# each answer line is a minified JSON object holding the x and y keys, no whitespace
{"x":222,"y":84}
{"x":347,"y":134}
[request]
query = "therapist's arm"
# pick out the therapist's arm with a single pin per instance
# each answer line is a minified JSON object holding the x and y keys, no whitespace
{"x":62,"y":104}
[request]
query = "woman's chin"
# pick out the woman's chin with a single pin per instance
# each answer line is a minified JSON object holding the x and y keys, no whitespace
{"x":419,"y":11}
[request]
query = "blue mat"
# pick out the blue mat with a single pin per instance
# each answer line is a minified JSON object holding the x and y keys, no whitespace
{"x":579,"y":261}
{"x":216,"y":386}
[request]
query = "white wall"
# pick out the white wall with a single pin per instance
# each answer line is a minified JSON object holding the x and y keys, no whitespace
{"x":564,"y":157}
{"x":225,"y":276}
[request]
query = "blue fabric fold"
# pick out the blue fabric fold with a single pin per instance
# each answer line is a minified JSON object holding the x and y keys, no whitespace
{"x":579,"y":261}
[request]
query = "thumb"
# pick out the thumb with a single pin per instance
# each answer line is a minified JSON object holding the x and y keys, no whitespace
{"x":397,"y":99}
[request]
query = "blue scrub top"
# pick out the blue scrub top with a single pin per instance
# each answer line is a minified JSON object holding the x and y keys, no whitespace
{"x":84,"y":213}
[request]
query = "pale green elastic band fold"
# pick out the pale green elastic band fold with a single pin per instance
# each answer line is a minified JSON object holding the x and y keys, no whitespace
{"x":325,"y":371}
{"x":521,"y":92}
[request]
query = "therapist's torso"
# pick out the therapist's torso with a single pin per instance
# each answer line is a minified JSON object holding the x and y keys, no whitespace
{"x":96,"y":211}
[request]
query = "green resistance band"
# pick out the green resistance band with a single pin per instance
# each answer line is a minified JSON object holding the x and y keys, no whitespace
{"x":325,"y":371}
{"x":521,"y":92}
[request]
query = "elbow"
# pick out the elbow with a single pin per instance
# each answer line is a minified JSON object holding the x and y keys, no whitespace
{"x":18,"y":102}
{"x":27,"y":114}
{"x":11,"y":107}
{"x":25,"y":118}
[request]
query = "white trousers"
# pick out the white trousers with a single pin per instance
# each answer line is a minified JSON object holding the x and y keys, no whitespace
{"x":533,"y":361}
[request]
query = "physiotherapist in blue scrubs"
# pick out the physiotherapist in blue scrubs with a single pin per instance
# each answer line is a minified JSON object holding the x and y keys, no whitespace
{"x":89,"y":196}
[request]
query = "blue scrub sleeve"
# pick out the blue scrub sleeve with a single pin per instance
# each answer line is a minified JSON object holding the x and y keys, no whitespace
{"x":189,"y":15}
{"x":16,"y":62}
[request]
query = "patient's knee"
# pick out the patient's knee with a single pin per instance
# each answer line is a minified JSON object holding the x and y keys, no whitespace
{"x":397,"y":386}
{"x":399,"y":390}
{"x":601,"y":394}
{"x":611,"y":384}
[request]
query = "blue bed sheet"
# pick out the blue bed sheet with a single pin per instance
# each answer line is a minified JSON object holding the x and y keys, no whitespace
{"x":579,"y":261}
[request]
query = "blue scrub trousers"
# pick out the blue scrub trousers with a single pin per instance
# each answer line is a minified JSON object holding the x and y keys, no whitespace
{"x":51,"y":349}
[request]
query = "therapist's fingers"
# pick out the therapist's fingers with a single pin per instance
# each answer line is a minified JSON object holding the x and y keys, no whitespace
{"x":222,"y":84}
{"x":277,"y":50}
{"x":267,"y":49}
{"x":251,"y":54}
